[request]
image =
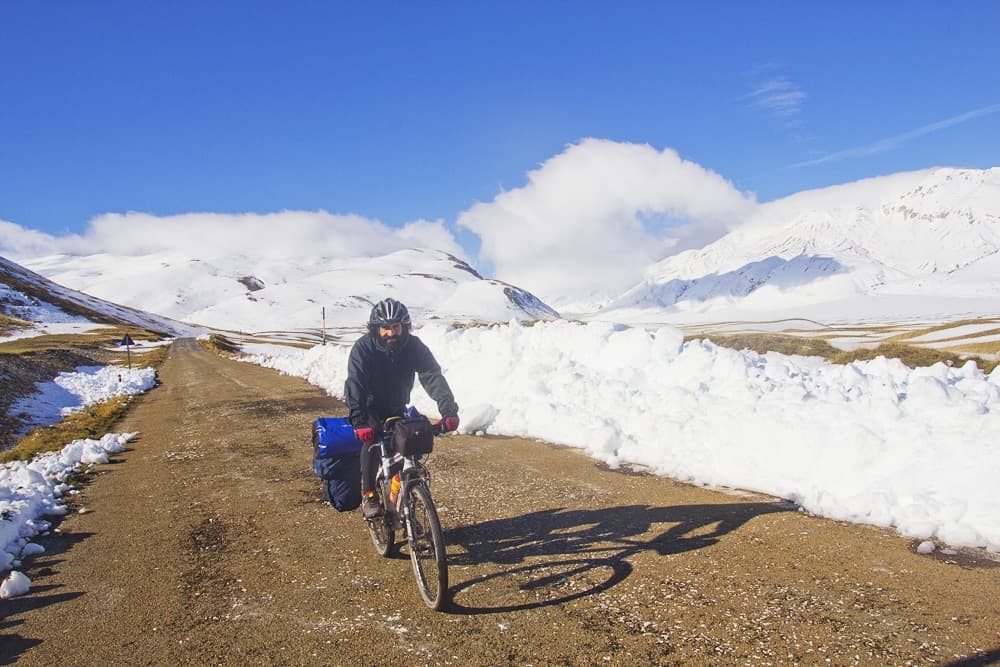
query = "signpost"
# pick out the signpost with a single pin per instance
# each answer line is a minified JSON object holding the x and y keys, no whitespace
{"x":324,"y":325}
{"x":128,"y":342}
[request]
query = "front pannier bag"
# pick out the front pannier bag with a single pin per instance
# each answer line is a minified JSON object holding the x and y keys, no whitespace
{"x":412,"y":436}
{"x":337,"y":461}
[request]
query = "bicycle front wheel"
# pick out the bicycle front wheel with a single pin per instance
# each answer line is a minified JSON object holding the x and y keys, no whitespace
{"x":380,"y":528}
{"x":426,"y":542}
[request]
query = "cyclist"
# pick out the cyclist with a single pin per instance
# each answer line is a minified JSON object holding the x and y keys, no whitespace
{"x":380,"y":374}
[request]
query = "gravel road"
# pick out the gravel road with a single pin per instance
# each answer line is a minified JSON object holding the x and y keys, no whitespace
{"x":208,"y":542}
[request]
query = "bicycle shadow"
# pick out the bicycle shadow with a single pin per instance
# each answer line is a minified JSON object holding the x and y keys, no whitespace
{"x":598,"y":543}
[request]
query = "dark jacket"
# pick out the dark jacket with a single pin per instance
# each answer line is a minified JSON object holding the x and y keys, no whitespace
{"x":379,"y":381}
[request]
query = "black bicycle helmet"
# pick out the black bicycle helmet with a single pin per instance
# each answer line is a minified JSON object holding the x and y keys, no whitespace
{"x":389,"y":311}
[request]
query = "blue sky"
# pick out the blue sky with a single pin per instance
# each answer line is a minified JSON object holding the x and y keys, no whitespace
{"x":404,"y":111}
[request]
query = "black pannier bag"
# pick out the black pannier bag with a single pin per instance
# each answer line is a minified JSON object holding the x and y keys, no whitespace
{"x":337,"y":462}
{"x":412,"y":436}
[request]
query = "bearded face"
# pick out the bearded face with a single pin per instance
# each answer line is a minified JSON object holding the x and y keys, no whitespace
{"x":390,"y":335}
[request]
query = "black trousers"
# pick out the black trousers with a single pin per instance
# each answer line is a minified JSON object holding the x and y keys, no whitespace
{"x":371,"y":459}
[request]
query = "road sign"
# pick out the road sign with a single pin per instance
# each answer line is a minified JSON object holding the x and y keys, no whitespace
{"x":127,"y":341}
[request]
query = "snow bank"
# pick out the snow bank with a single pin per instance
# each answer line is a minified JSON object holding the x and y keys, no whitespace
{"x":872,"y":442}
{"x":73,"y":391}
{"x":29,"y":491}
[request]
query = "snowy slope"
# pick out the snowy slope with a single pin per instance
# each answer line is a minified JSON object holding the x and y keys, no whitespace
{"x":27,"y":296}
{"x":279,"y":293}
{"x":874,"y":442}
{"x":933,"y":234}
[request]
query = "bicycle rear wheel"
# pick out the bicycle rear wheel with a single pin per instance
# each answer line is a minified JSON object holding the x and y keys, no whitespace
{"x":426,"y":542}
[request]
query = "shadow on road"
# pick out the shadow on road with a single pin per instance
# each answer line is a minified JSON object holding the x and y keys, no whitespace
{"x":981,"y":659}
{"x":38,"y":568}
{"x":12,"y":646}
{"x":596,"y":542}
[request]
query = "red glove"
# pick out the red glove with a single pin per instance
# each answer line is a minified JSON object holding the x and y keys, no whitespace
{"x":449,"y":424}
{"x":365,"y":435}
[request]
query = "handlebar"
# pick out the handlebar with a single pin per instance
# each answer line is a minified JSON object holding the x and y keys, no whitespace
{"x":367,"y":435}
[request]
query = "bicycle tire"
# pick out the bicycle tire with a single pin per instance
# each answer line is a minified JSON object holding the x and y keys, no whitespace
{"x":382,"y":534}
{"x":427,"y":549}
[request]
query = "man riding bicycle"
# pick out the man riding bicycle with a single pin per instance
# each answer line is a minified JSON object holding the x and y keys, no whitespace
{"x":380,"y":374}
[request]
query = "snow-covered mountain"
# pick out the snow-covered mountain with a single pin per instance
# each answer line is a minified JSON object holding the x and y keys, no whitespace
{"x":279,"y":293}
{"x":29,"y":297}
{"x":922,"y":244}
{"x":910,"y":242}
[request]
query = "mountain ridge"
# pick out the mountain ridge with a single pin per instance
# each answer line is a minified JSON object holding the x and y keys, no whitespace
{"x":29,"y":297}
{"x":933,"y":233}
{"x":281,"y":293}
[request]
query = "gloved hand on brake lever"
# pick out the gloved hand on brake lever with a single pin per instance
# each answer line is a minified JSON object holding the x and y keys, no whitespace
{"x":449,"y":424}
{"x":365,"y":435}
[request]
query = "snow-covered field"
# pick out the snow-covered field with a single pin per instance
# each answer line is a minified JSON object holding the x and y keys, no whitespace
{"x":53,"y":328}
{"x":70,"y":392}
{"x":871,"y":442}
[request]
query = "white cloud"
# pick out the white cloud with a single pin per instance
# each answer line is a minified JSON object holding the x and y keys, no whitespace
{"x":593,"y":217}
{"x":779,"y":97}
{"x":18,"y":241}
{"x":588,"y":222}
{"x":885,"y":145}
{"x":430,"y":234}
{"x":282,"y":234}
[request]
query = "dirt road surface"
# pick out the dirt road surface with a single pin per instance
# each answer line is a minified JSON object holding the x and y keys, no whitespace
{"x":208,"y":543}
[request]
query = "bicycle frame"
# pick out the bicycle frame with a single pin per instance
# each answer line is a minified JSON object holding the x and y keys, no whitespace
{"x":410,"y":472}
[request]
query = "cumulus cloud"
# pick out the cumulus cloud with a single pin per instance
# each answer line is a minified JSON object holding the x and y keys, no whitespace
{"x":586,"y":224}
{"x":282,"y":234}
{"x":18,"y":241}
{"x":590,"y":219}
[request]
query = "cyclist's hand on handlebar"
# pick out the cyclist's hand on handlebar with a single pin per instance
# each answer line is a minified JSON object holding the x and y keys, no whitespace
{"x":449,"y":424}
{"x":365,"y":435}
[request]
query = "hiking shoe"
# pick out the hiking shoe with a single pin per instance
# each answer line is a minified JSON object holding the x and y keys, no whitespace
{"x":370,"y":507}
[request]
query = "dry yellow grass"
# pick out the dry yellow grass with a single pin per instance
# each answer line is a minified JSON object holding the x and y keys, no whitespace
{"x":916,"y":333}
{"x":783,"y":343}
{"x":912,"y":355}
{"x":105,"y":337}
{"x":9,"y":325}
{"x":91,"y":422}
{"x":219,"y":344}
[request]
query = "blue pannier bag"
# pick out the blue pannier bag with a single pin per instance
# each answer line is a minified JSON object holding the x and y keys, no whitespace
{"x":337,"y":461}
{"x":333,"y":436}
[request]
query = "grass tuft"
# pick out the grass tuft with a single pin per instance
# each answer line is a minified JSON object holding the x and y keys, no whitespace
{"x":762,"y":343}
{"x":9,"y":325}
{"x":219,"y":344}
{"x":911,"y":355}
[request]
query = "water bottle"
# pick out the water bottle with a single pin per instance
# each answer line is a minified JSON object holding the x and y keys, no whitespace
{"x":394,"y":489}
